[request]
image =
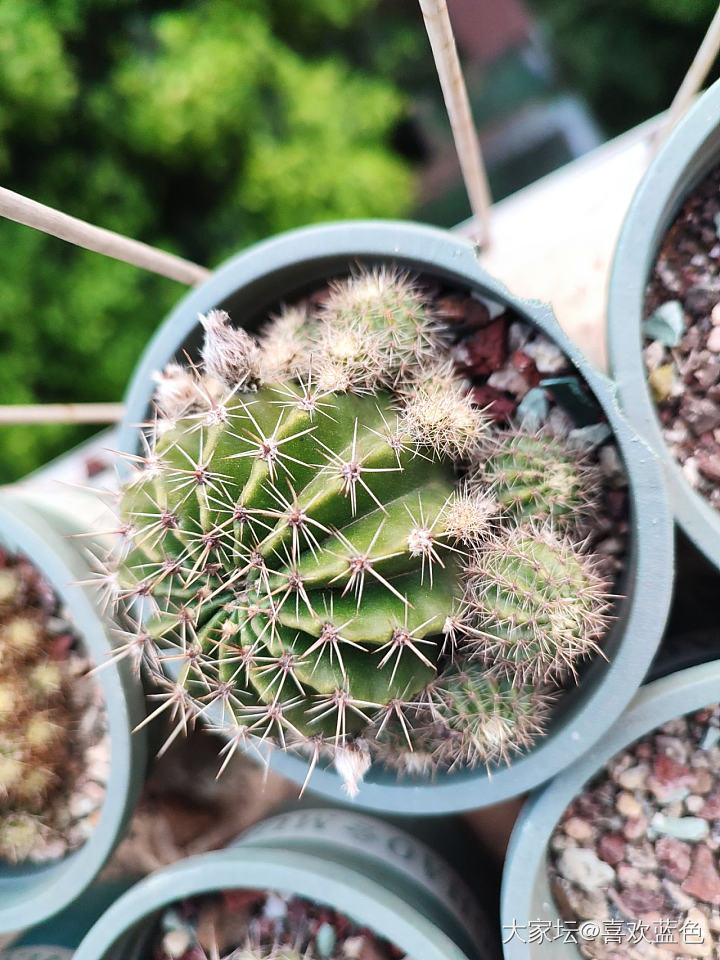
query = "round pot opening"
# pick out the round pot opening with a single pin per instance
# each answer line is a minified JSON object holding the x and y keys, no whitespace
{"x":527,"y":900}
{"x":688,"y":155}
{"x":377,"y":876}
{"x":280,"y":270}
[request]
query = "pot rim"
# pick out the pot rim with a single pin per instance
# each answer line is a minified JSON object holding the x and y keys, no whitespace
{"x":343,"y":888}
{"x":650,"y":562}
{"x":653,"y":206}
{"x":47,"y":889}
{"x":654,"y":704}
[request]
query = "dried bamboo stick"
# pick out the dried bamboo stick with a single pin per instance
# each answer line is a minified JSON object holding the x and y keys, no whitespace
{"x":693,"y":80}
{"x":22,"y":414}
{"x":37,"y":215}
{"x":457,"y":103}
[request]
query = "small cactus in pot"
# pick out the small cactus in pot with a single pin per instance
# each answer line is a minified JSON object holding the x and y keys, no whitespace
{"x":338,"y":554}
{"x":41,"y":709}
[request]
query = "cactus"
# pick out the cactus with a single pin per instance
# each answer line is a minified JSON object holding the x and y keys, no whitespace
{"x":325,"y":538}
{"x":538,"y":605}
{"x":467,"y":717}
{"x":537,"y":477}
{"x":35,"y":714}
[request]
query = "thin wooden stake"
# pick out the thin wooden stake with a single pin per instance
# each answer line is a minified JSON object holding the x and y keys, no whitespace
{"x":457,"y":103}
{"x":37,"y":215}
{"x":693,"y":80}
{"x":22,"y":414}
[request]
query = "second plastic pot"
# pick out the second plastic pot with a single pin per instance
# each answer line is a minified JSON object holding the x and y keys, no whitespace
{"x":30,"y":894}
{"x":376,"y":875}
{"x":526,"y":896}
{"x":685,"y":158}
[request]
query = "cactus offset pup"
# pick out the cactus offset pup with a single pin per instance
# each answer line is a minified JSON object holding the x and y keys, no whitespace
{"x":336,"y":553}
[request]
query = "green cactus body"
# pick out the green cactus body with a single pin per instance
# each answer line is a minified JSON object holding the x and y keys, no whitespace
{"x":539,"y":605}
{"x":324,"y":530}
{"x":469,"y":716}
{"x":489,"y":717}
{"x":303,"y":528}
{"x":537,"y":477}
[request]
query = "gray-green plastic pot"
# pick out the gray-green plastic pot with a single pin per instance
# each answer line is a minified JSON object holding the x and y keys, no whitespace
{"x":30,"y":894}
{"x":296,"y":262}
{"x":373,"y":873}
{"x":58,"y":937}
{"x":685,"y":158}
{"x":526,"y":896}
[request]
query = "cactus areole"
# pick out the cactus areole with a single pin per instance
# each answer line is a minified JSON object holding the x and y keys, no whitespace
{"x":336,"y":554}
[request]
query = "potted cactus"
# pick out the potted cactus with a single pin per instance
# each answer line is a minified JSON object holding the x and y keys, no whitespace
{"x":663,"y":315}
{"x":623,"y":840}
{"x":305,"y":885}
{"x":344,"y":552}
{"x":70,"y":768}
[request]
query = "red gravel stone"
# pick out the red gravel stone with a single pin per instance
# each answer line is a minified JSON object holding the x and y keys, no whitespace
{"x":611,"y":848}
{"x":526,"y":366}
{"x":669,"y":772}
{"x":496,"y":404}
{"x":637,"y":901}
{"x":635,"y":828}
{"x":235,"y":900}
{"x":476,"y":313}
{"x":675,"y":857}
{"x":704,"y":880}
{"x":711,"y":810}
{"x":486,"y":350}
{"x":709,"y":464}
{"x":451,"y":309}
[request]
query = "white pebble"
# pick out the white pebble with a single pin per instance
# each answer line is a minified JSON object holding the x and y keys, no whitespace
{"x":634,"y":777}
{"x":585,"y":869}
{"x":654,"y":354}
{"x":509,"y":379}
{"x":176,"y":942}
{"x":547,"y":356}
{"x":275,"y":907}
{"x":713,"y":341}
{"x":579,"y":829}
{"x":691,"y":471}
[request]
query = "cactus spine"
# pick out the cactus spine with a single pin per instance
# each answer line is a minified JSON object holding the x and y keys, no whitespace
{"x":331,"y":543}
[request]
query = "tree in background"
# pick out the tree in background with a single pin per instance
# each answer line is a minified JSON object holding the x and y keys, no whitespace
{"x":627,"y":57}
{"x":196,"y":125}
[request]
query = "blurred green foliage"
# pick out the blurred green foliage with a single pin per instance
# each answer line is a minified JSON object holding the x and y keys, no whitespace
{"x":196,"y":125}
{"x":627,"y":57}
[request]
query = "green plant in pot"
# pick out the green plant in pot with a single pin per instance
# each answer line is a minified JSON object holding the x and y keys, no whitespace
{"x":70,"y":767}
{"x":309,"y":884}
{"x":337,"y":555}
{"x":36,"y":713}
{"x":520,"y":458}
